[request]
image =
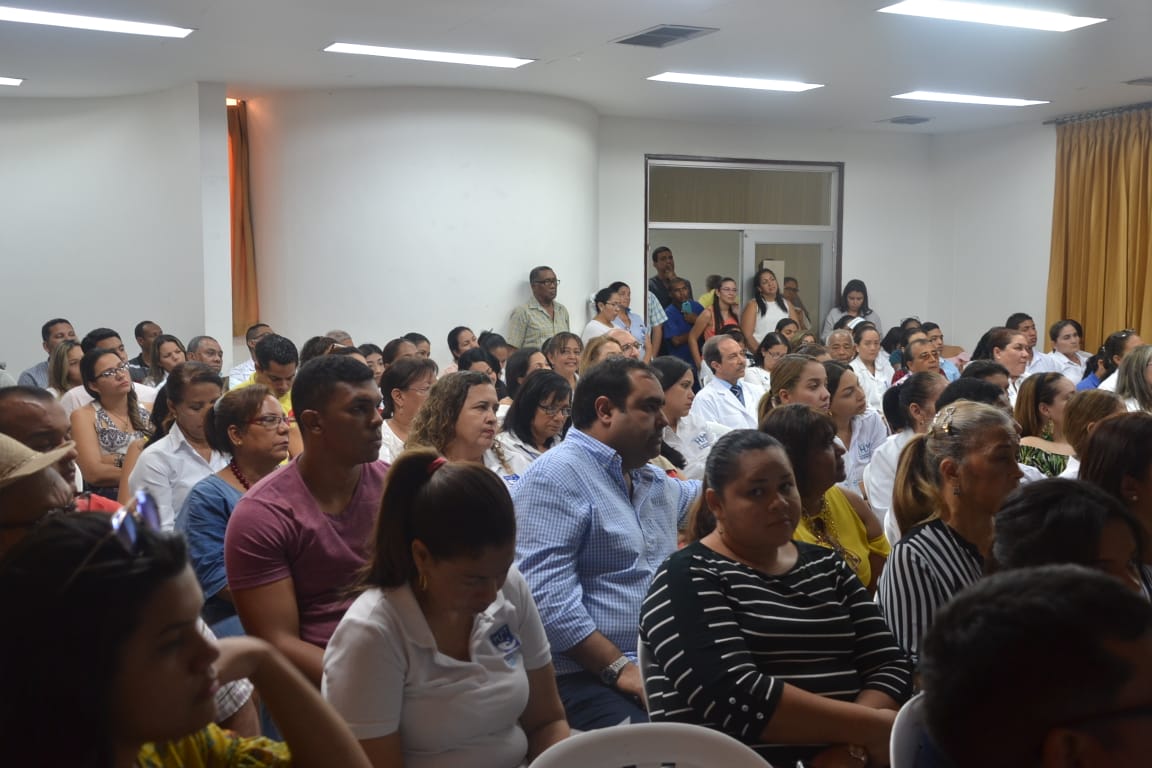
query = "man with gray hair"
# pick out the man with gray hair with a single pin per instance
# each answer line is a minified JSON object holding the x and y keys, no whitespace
{"x":343,"y":338}
{"x":205,"y":349}
{"x":727,"y":398}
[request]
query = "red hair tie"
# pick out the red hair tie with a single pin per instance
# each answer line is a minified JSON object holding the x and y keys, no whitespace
{"x":436,"y":463}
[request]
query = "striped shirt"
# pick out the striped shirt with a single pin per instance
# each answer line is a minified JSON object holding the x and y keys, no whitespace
{"x":724,"y":639}
{"x":928,"y":566}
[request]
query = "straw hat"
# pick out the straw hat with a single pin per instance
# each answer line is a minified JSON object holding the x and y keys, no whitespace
{"x":19,"y":461}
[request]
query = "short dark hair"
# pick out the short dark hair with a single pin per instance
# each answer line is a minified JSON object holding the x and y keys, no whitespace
{"x":1022,"y":652}
{"x":316,"y":380}
{"x":417,"y":338}
{"x":457,"y":509}
{"x":611,"y":378}
{"x":315,"y":346}
{"x":392,"y":349}
{"x":453,"y":342}
{"x":368,"y":348}
{"x":711,"y":351}
{"x":400,"y":375}
{"x":46,"y":329}
{"x":801,"y":429}
{"x":95,"y":336}
{"x":1056,"y":327}
{"x":975,"y":390}
{"x":491,"y":340}
{"x":195,"y":342}
{"x":1054,"y":521}
{"x":720,"y":469}
{"x":1016,"y":319}
{"x":254,"y":330}
{"x":276,"y":349}
{"x":476,"y":355}
{"x":983,"y":369}
{"x":659,"y":250}
{"x":538,"y":387}
{"x":790,"y":280}
{"x":537,"y":271}
{"x":897,"y":401}
{"x":138,"y":331}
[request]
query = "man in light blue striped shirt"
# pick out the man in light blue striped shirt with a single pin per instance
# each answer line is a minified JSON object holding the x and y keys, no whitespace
{"x":594,"y":522}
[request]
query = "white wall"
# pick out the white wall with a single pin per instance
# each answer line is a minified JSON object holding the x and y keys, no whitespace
{"x":397,"y":210}
{"x":993,"y":228}
{"x":106,"y":218}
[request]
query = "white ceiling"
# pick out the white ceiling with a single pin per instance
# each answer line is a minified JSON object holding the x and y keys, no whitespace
{"x":863,"y":57}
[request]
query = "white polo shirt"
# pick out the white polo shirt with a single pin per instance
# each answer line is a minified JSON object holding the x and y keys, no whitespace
{"x":383,"y":673}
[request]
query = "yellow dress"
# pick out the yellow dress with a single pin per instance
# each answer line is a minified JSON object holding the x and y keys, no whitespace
{"x":838,"y":527}
{"x":213,"y":747}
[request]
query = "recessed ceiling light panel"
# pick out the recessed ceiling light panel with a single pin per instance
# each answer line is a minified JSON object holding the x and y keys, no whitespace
{"x":95,"y":23}
{"x":962,"y":98}
{"x":446,"y":57}
{"x":999,"y":15}
{"x":11,"y":80}
{"x":734,"y":82}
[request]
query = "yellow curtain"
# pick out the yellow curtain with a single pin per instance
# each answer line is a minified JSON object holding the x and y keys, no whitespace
{"x":245,"y":300}
{"x":1101,"y":229}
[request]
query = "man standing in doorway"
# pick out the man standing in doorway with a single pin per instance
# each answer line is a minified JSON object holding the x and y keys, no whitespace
{"x":661,"y":283}
{"x":792,"y":294}
{"x":542,"y":318}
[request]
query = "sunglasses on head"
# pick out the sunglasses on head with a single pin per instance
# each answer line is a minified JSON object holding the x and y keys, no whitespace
{"x":125,"y":529}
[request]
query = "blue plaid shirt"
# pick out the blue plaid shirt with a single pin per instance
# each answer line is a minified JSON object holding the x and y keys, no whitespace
{"x":587,"y":551}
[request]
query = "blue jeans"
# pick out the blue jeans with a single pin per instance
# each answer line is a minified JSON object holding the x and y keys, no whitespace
{"x":589,"y":704}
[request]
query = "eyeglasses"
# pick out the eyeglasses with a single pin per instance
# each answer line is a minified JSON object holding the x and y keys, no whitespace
{"x":112,"y":373}
{"x":418,"y":390}
{"x":125,"y":529}
{"x":550,"y":283}
{"x":271,"y":422}
{"x":634,"y":345}
{"x":552,"y":410}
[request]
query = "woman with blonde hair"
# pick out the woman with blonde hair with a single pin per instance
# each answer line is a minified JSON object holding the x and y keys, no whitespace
{"x":796,"y":379}
{"x":167,"y":353}
{"x":597,"y":349}
{"x":1134,"y":381}
{"x":1039,"y":410}
{"x":950,"y":482}
{"x":1084,"y":411}
{"x":458,"y":421}
{"x":64,"y":367}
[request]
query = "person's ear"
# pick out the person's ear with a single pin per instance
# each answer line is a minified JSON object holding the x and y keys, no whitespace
{"x":420,"y":554}
{"x":784,"y":396}
{"x":309,"y":421}
{"x":712,"y":502}
{"x":604,"y":408}
{"x":45,"y":345}
{"x":950,"y":471}
{"x":235,"y":436}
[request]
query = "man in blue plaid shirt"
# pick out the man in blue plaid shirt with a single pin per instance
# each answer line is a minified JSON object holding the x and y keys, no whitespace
{"x":594,"y":522}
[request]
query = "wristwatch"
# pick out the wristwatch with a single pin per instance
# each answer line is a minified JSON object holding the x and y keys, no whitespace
{"x":611,"y":673}
{"x":857,"y":752}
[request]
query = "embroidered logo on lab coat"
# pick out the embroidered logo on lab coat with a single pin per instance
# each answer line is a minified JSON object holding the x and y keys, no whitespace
{"x":507,"y":643}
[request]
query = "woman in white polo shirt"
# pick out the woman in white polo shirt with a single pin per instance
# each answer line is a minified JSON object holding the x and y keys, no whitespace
{"x":443,"y":660}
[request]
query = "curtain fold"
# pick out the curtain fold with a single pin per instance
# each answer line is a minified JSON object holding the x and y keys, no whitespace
{"x":245,"y":299}
{"x":1101,"y":230}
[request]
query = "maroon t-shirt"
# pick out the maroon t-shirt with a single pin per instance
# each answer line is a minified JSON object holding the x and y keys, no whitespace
{"x":277,"y":532}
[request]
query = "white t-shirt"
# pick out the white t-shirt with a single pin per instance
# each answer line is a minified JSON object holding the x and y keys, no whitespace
{"x":383,"y":673}
{"x":593,"y":329}
{"x":766,"y":323}
{"x":874,"y":385}
{"x":868,"y":433}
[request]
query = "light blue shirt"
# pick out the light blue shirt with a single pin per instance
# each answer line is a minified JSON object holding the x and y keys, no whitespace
{"x":587,"y":550}
{"x":36,"y":376}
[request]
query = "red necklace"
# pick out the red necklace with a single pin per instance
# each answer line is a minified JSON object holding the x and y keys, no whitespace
{"x":238,"y":474}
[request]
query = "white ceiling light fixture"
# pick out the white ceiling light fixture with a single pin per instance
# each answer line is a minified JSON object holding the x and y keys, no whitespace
{"x":11,"y":80}
{"x":94,"y":23}
{"x":962,"y":98}
{"x":999,"y":15}
{"x":444,"y":57}
{"x":721,"y":81}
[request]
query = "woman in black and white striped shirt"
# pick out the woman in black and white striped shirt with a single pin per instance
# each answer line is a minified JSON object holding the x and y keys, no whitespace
{"x":772,"y":641}
{"x":949,"y":484}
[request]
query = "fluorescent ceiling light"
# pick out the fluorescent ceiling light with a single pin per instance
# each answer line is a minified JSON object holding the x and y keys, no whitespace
{"x":1000,"y":15}
{"x":735,"y":82}
{"x":11,"y":80}
{"x":446,"y":57}
{"x":90,"y":22}
{"x":960,"y":98}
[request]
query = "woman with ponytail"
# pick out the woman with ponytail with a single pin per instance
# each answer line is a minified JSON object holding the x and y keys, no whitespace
{"x":949,"y":484}
{"x":442,"y":659}
{"x":169,"y":466}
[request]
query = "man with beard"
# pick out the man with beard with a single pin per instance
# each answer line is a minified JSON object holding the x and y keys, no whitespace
{"x":594,"y":521}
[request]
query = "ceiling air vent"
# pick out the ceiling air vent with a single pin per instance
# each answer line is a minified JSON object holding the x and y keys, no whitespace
{"x":665,"y":35}
{"x":906,"y":120}
{"x":1139,"y":81}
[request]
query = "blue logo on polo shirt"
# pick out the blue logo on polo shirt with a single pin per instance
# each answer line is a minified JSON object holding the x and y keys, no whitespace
{"x":504,"y":641}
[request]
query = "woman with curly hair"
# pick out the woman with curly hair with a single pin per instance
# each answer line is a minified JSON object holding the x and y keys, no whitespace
{"x":458,"y":420}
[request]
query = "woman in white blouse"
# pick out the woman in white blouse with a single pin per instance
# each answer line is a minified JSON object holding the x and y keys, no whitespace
{"x":403,"y":389}
{"x":1066,"y":358}
{"x":871,"y":367}
{"x":169,"y":466}
{"x":443,"y":660}
{"x":691,"y":438}
{"x":1010,"y":349}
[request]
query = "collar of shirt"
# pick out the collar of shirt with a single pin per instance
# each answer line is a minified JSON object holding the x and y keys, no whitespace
{"x":604,"y":455}
{"x":404,"y":602}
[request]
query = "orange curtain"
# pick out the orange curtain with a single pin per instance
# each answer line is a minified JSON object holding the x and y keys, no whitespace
{"x":245,"y":300}
{"x":1102,"y":226}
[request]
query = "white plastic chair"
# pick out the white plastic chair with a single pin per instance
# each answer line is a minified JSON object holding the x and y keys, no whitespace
{"x":906,"y":733}
{"x":650,"y":745}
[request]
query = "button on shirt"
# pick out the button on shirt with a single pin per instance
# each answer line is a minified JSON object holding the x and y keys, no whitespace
{"x":716,"y":402}
{"x":530,"y":324}
{"x":587,"y":549}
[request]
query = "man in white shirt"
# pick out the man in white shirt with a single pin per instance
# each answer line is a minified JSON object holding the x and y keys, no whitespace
{"x":727,"y":399}
{"x":242,"y":372}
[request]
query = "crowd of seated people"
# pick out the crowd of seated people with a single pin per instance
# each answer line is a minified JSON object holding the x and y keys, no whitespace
{"x":462,"y":566}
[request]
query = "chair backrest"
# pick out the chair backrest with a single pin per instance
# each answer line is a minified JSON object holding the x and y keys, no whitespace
{"x":644,"y":661}
{"x":908,"y":733}
{"x":650,"y":745}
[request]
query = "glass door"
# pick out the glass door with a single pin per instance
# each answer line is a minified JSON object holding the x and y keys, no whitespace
{"x":808,"y":255}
